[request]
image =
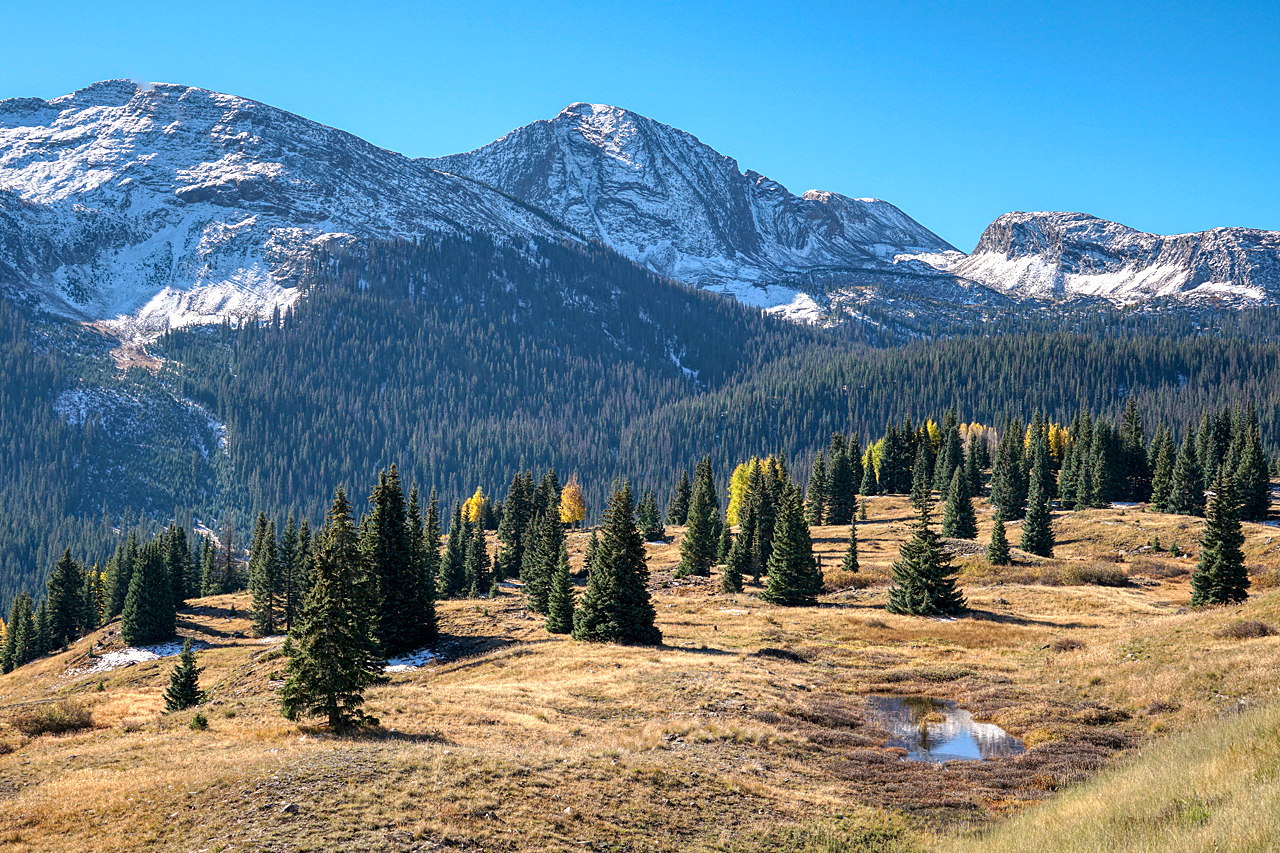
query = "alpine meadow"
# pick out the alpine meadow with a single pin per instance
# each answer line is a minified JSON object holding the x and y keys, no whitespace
{"x":589,"y":490}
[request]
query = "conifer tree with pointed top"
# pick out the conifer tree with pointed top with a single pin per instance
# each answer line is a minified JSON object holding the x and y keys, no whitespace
{"x":870,"y":485}
{"x":923,"y":580}
{"x":542,"y":552}
{"x":148,"y":615}
{"x":650,"y":518}
{"x":452,"y":578}
{"x":794,"y":576}
{"x":1162,"y":452}
{"x":958,"y":518}
{"x":20,"y":637}
{"x":850,"y":563}
{"x":560,"y":600}
{"x":421,"y":572}
{"x":333,"y":652}
{"x":1037,"y":530}
{"x":998,"y":549}
{"x":818,"y":497}
{"x":264,"y":578}
{"x":616,"y":606}
{"x":476,"y":562}
{"x":1251,"y":479}
{"x":1186,"y":490}
{"x":1220,"y":576}
{"x":64,"y":593}
{"x":734,"y":561}
{"x":920,"y":480}
{"x":702,"y":534}
{"x":678,"y":506}
{"x":184,"y":681}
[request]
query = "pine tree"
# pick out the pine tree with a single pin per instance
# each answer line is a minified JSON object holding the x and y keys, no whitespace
{"x":870,"y":485}
{"x":923,"y":581}
{"x":148,"y":615}
{"x":1009,"y":476}
{"x":1133,"y":447}
{"x":998,"y":550}
{"x":178,"y":563}
{"x":560,"y":601}
{"x":816,"y":508}
{"x":64,"y":594}
{"x":840,"y":487}
{"x":794,"y":576}
{"x":542,"y":553}
{"x":291,"y":571}
{"x":476,"y":561}
{"x":616,"y":606}
{"x":184,"y":682}
{"x":701,"y":538}
{"x":958,"y":518}
{"x":678,"y":506}
{"x":42,"y":644}
{"x":1162,"y":479}
{"x":1252,"y":481}
{"x":452,"y":579}
{"x":650,"y":518}
{"x":920,"y":480}
{"x":422,"y":556}
{"x":850,"y":563}
{"x":1220,"y":576}
{"x":1186,"y":491}
{"x":734,"y":561}
{"x":972,"y":470}
{"x":20,"y":634}
{"x":1037,"y":531}
{"x":516,"y":515}
{"x":120,"y":574}
{"x":333,"y":653}
{"x":91,"y":597}
{"x":386,"y":542}
{"x":264,"y":578}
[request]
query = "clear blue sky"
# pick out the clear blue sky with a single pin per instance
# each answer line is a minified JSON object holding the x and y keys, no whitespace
{"x":1163,"y":116}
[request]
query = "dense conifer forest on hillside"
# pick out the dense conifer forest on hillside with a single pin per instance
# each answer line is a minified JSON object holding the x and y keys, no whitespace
{"x":462,"y":361}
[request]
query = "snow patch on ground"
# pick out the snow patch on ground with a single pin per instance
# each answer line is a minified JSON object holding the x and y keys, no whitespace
{"x":411,"y":661}
{"x":737,"y":612}
{"x":1123,"y":505}
{"x":278,"y":638}
{"x":128,"y":656}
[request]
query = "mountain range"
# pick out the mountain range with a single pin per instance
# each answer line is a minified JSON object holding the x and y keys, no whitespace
{"x":140,"y":208}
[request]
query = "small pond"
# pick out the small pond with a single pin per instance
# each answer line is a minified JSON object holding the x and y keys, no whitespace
{"x":937,"y":730}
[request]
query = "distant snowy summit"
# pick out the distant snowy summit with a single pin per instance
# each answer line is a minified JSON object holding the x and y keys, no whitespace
{"x":1051,"y":256}
{"x":676,"y":206}
{"x":146,"y":207}
{"x":140,"y":208}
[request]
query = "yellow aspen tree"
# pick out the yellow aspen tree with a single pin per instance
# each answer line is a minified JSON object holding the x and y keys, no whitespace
{"x":738,"y":489}
{"x":572,"y":506}
{"x":474,"y":506}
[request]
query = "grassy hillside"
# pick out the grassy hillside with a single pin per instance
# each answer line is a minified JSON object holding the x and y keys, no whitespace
{"x":747,"y":730}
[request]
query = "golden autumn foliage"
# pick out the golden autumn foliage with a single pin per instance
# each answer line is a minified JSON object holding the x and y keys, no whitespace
{"x":572,"y":506}
{"x":474,"y":506}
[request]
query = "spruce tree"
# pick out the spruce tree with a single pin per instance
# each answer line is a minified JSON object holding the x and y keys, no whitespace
{"x":184,"y":682}
{"x":264,"y":578}
{"x":148,"y":615}
{"x":923,"y":581}
{"x":478,"y":577}
{"x":1162,"y":478}
{"x":702,"y":534}
{"x":120,"y":574}
{"x":64,"y":594}
{"x":1135,"y":464}
{"x":1037,"y":530}
{"x":1252,"y":481}
{"x":734,"y":561}
{"x":516,"y":515}
{"x":178,"y":562}
{"x":616,"y":606}
{"x":1009,"y":476}
{"x":333,"y":653}
{"x":726,"y":543}
{"x":431,"y":557}
{"x":20,"y":634}
{"x":452,"y":578}
{"x":542,"y":552}
{"x":650,"y":518}
{"x":1220,"y":576}
{"x":422,"y":555}
{"x":850,"y":563}
{"x":560,"y":601}
{"x":42,"y":643}
{"x":998,"y":549}
{"x":870,"y":485}
{"x":950,"y":453}
{"x":794,"y":576}
{"x":386,"y":542}
{"x":816,"y":507}
{"x":678,"y":506}
{"x":920,"y":480}
{"x":1186,"y":491}
{"x":291,"y":571}
{"x":958,"y":518}
{"x":840,"y":487}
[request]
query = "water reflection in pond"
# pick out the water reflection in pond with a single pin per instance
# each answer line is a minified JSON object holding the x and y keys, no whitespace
{"x":936,"y":730}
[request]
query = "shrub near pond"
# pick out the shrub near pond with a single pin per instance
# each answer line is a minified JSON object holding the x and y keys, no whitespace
{"x":1094,"y":574}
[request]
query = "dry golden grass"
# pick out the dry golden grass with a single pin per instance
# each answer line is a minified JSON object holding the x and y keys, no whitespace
{"x":744,"y":731}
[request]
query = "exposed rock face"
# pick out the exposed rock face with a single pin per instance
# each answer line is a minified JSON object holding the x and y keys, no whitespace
{"x":170,"y":204}
{"x":1066,"y":255}
{"x":662,"y":198}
